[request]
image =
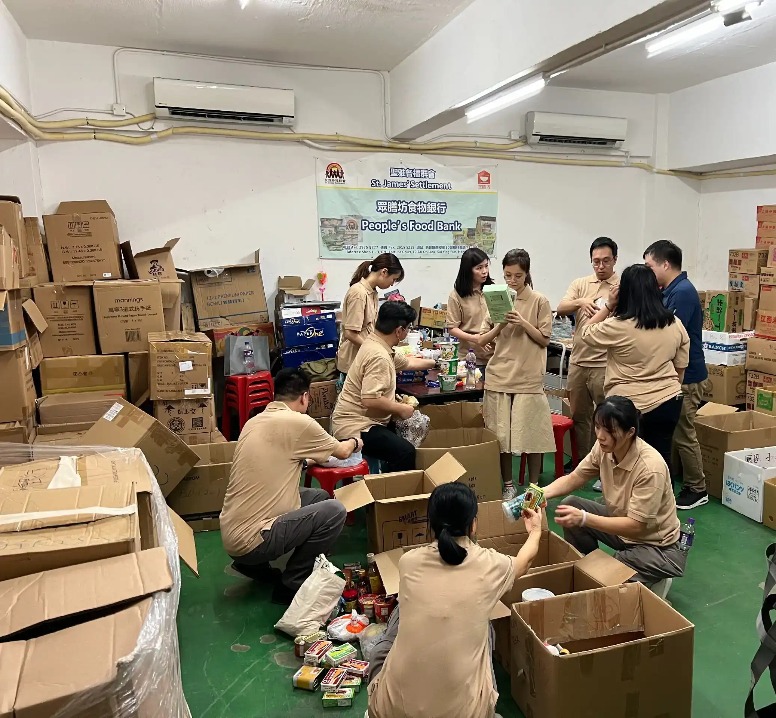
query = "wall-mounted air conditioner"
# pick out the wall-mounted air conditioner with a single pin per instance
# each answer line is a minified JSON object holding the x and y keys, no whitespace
{"x":228,"y":104}
{"x":554,"y":128}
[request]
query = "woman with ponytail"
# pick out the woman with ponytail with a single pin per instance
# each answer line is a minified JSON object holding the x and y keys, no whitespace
{"x":436,"y":660}
{"x":359,"y":308}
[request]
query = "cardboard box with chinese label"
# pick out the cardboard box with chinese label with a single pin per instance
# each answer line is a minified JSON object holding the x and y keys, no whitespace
{"x":17,"y":399}
{"x":749,"y":284}
{"x":747,"y":261}
{"x":127,"y":311}
{"x":180,"y":365}
{"x":626,"y":647}
{"x":723,"y":311}
{"x":751,"y":305}
{"x":766,"y":213}
{"x":726,"y":385}
{"x":229,"y":295}
{"x":203,"y":489}
{"x":429,"y":317}
{"x":765,"y":327}
{"x":83,"y":242}
{"x":754,"y":380}
{"x":12,"y":219}
{"x":744,"y":480}
{"x":397,"y":503}
{"x":9,"y":262}
{"x":38,"y":270}
{"x":102,"y":372}
{"x":323,"y":397}
{"x":69,"y":312}
{"x":187,"y":417}
{"x":154,"y":263}
{"x":767,"y":301}
{"x":761,"y":355}
{"x":75,"y":408}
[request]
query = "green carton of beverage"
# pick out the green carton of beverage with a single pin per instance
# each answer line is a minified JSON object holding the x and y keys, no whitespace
{"x":500,"y":300}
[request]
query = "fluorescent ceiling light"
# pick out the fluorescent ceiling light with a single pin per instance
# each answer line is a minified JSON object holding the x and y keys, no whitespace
{"x":723,"y":7}
{"x":507,"y":98}
{"x":685,"y":34}
{"x":244,"y":4}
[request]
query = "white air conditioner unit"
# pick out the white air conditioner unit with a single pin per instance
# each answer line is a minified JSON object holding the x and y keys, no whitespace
{"x":553,"y":128}
{"x":228,"y":104}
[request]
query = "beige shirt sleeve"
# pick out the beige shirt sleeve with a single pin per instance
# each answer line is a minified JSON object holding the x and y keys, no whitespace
{"x":454,"y":311}
{"x":377,"y":379}
{"x":314,"y":443}
{"x":400,"y":362}
{"x":682,"y":359}
{"x":645,"y":500}
{"x":544,"y":317}
{"x":590,"y":466}
{"x":601,"y":335}
{"x":572,"y":293}
{"x":487,"y":324}
{"x":504,"y":571}
{"x":354,"y":309}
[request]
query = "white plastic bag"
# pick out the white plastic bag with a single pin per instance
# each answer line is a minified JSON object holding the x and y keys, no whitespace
{"x":347,"y":628}
{"x":314,"y":601}
{"x":354,"y":460}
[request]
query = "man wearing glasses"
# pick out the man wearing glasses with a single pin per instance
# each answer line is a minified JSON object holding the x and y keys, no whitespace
{"x":587,"y":367}
{"x":367,"y":406}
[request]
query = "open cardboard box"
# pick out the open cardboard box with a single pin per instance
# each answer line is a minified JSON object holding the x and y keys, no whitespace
{"x":156,"y":263}
{"x":397,"y":504}
{"x":631,"y":654}
{"x":203,"y":489}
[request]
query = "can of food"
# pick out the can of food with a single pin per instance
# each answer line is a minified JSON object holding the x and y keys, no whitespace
{"x":299,"y":649}
{"x":383,"y":608}
{"x":367,"y":605}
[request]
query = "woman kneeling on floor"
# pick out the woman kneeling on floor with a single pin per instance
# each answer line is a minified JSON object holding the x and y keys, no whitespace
{"x":638,"y":519}
{"x":437,"y":662}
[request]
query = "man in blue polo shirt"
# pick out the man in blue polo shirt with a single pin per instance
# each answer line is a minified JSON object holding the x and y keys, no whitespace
{"x":664,"y":258}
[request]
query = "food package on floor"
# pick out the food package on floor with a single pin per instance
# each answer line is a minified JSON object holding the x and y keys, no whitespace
{"x":308,"y":678}
{"x":347,"y":628}
{"x":339,"y":654}
{"x":352,"y":682}
{"x":333,"y":678}
{"x":316,"y":653}
{"x":338,"y":698}
{"x":314,"y":601}
{"x":415,"y":429}
{"x":354,"y":667}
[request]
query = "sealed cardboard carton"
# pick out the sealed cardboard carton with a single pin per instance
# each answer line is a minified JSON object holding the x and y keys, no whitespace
{"x":766,"y":213}
{"x":767,"y":301}
{"x":12,"y":218}
{"x":127,"y":311}
{"x":767,"y":229}
{"x":749,"y":284}
{"x":9,"y":262}
{"x":747,"y":261}
{"x":755,"y":379}
{"x":104,"y":372}
{"x":397,"y":504}
{"x":124,"y":425}
{"x":180,"y":365}
{"x":17,"y":399}
{"x":761,"y":355}
{"x":61,"y":434}
{"x":723,"y":311}
{"x":744,"y":480}
{"x":18,"y":432}
{"x":171,"y":304}
{"x":765,"y":327}
{"x":38,"y":271}
{"x":137,"y":373}
{"x":187,"y":417}
{"x":203,"y":489}
{"x":224,"y":296}
{"x":291,"y":290}
{"x":726,"y":385}
{"x":83,"y":242}
{"x":241,"y":330}
{"x":154,"y":263}
{"x":626,"y":648}
{"x":718,"y":434}
{"x":323,"y":397}
{"x":302,"y":327}
{"x":12,"y":331}
{"x":751,"y":305}
{"x":69,"y":312}
{"x":75,"y":408}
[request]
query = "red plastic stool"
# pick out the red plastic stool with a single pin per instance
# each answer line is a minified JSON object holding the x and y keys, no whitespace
{"x":560,"y":425}
{"x":243,"y":394}
{"x":329,"y":476}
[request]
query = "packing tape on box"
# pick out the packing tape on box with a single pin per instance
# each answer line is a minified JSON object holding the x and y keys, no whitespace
{"x":97,"y":512}
{"x":631,"y":657}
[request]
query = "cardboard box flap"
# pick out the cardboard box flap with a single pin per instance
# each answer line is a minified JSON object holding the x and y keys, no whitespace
{"x":500,"y":611}
{"x":712,"y":409}
{"x":43,"y":597}
{"x":12,"y":660}
{"x":32,"y":311}
{"x":294,"y":286}
{"x":187,"y":549}
{"x":605,"y":569}
{"x":214,"y":271}
{"x":169,"y":244}
{"x":178,"y":336}
{"x":388,"y":566}
{"x":455,"y":415}
{"x":92,"y":206}
{"x":401,"y":499}
{"x":10,"y":198}
{"x":445,"y":470}
{"x":354,"y":496}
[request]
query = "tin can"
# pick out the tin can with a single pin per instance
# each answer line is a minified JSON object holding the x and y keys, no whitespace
{"x":299,"y":649}
{"x":367,"y":605}
{"x":383,"y":608}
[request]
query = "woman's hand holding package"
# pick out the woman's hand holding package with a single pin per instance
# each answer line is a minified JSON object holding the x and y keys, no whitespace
{"x":533,"y":520}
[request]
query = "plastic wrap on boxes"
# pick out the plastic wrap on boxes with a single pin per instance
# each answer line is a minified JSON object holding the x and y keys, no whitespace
{"x":147,"y":681}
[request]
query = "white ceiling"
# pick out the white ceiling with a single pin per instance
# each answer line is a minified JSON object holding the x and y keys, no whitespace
{"x":734,"y":49}
{"x":369,"y":34}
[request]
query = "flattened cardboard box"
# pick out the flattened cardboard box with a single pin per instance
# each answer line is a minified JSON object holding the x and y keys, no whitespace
{"x":12,"y":218}
{"x":17,"y":400}
{"x":75,"y":408}
{"x":124,"y":425}
{"x":187,"y":417}
{"x":628,"y":650}
{"x":127,"y":311}
{"x":83,"y":242}
{"x":83,"y":373}
{"x":69,"y":312}
{"x":397,"y":504}
{"x":180,"y":365}
{"x":203,"y":489}
{"x":9,"y":262}
{"x":154,"y":263}
{"x":224,"y":296}
{"x":36,"y":254}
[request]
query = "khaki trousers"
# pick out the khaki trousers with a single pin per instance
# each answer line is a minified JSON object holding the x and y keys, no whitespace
{"x":686,"y":447}
{"x":586,"y":389}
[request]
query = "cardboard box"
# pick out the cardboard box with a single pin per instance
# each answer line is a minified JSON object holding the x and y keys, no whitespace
{"x":747,"y":261}
{"x":83,"y":242}
{"x":627,"y":648}
{"x":38,"y":270}
{"x":751,"y":305}
{"x":723,"y":311}
{"x":766,"y":213}
{"x":755,"y":379}
{"x":180,"y":365}
{"x":726,"y":385}
{"x":154,"y":263}
{"x":17,"y":400}
{"x":171,"y":304}
{"x":124,"y":425}
{"x":294,"y":358}
{"x":725,"y":348}
{"x":767,"y":300}
{"x":18,"y":432}
{"x":187,"y":417}
{"x":9,"y":262}
{"x":761,"y":355}
{"x":203,"y":489}
{"x":12,"y":219}
{"x":302,"y":328}
{"x":323,"y":397}
{"x":749,"y":284}
{"x":76,"y":408}
{"x":291,"y":290}
{"x":139,"y":381}
{"x":769,"y":503}
{"x":766,"y":229}
{"x":64,"y":375}
{"x":718,"y":434}
{"x":126,"y":312}
{"x":61,"y":434}
{"x":744,"y":480}
{"x":766,"y":242}
{"x":69,"y":313}
{"x":225,"y":296}
{"x":12,"y":330}
{"x":397,"y":503}
{"x":765,"y":327}
{"x":763,"y":399}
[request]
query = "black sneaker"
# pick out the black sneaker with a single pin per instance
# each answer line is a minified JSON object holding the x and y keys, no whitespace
{"x":262,"y":572}
{"x":282,"y":595}
{"x":689,"y":499}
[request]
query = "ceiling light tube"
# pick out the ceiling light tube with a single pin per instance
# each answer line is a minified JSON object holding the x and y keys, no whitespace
{"x":506,"y":98}
{"x":683,"y":35}
{"x":723,"y":7}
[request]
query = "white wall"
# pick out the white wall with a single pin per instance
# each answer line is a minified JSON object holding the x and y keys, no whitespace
{"x":13,"y":57}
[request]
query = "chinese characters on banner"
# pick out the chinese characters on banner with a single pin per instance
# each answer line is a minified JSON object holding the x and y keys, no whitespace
{"x":413,"y":207}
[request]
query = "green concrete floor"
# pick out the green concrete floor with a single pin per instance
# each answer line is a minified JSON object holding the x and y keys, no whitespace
{"x":236,"y":666}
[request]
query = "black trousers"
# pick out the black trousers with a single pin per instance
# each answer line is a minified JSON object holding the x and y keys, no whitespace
{"x":657,"y":427}
{"x":382,"y":443}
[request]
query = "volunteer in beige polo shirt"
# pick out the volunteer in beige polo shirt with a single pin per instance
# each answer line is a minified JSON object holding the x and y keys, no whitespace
{"x":515,"y":406}
{"x":638,"y":519}
{"x":647,"y":350}
{"x":266,"y":513}
{"x":367,"y":405}
{"x":435,"y":658}
{"x":587,"y":366}
{"x":359,"y":307}
{"x":466,"y":308}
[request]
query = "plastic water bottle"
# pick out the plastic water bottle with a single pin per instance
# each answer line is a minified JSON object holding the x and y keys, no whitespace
{"x":687,"y":535}
{"x":471,"y":369}
{"x":249,"y":363}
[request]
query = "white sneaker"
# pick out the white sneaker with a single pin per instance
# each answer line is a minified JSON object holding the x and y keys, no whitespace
{"x":598,"y":487}
{"x":661,"y":588}
{"x":509,"y":493}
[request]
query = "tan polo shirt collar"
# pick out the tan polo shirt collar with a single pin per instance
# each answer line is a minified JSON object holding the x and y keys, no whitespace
{"x":391,"y":350}
{"x":630,"y":458}
{"x":614,"y":279}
